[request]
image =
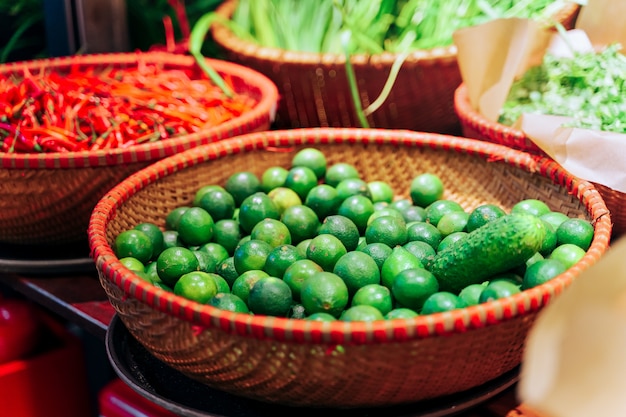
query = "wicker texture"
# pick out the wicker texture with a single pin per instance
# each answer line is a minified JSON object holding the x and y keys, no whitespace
{"x":476,"y":126}
{"x":314,"y":89}
{"x":339,"y":364}
{"x":47,"y":198}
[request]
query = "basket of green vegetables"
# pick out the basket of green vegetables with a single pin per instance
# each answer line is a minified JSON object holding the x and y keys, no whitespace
{"x":350,"y":63}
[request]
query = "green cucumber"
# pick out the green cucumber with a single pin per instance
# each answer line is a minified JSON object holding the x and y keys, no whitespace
{"x":498,"y":246}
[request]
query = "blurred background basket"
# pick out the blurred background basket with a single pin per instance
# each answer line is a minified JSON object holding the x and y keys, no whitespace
{"x":475,"y":125}
{"x":47,"y":197}
{"x":339,"y":364}
{"x":314,"y":89}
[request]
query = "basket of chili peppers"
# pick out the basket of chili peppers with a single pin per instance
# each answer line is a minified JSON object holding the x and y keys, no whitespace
{"x":72,"y":127}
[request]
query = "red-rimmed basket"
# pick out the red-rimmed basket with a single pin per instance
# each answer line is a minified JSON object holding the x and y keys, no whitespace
{"x":477,"y":126}
{"x":47,"y":198}
{"x":339,"y":364}
{"x":315,"y":92}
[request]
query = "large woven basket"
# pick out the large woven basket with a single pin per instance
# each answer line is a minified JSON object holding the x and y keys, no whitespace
{"x":314,"y":89}
{"x":475,"y":125}
{"x":48,"y":197}
{"x":339,"y":364}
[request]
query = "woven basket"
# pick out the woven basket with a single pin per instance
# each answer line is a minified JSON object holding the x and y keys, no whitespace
{"x":476,"y":126}
{"x":47,"y":198}
{"x":339,"y":364}
{"x":314,"y":89}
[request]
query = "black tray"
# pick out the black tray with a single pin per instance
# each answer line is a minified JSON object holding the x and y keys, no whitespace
{"x":183,"y":396}
{"x":46,"y":259}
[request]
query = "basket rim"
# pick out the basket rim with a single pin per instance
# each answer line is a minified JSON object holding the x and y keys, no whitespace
{"x":226,"y":39}
{"x":337,"y":332}
{"x":262,"y":113}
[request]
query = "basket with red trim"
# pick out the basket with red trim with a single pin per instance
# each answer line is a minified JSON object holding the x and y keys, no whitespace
{"x":339,"y":364}
{"x":47,"y":196}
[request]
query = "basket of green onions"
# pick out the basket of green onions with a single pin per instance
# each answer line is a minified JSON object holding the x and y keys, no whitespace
{"x":351,"y":63}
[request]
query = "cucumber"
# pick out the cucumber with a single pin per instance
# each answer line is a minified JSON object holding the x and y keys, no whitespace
{"x":498,"y":246}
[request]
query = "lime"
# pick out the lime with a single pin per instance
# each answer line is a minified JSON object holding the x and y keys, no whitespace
{"x":413,"y":214}
{"x":196,"y":286}
{"x":568,"y":253}
{"x":482,"y":215}
{"x":133,"y":243}
{"x":242,"y":185}
{"x":436,"y":210}
{"x":357,"y":269}
{"x":378,"y":252}
{"x":352,"y":186}
{"x":380,"y":191}
{"x":174,"y":262}
{"x":217,"y":253}
{"x":531,"y":206}
{"x":273,"y":177}
{"x":281,"y":258}
{"x":454,"y":221}
{"x":226,"y":269}
{"x":342,"y":228}
{"x":229,"y":302}
{"x":134,"y":264}
{"x":170,"y":239}
{"x":271,"y":231}
{"x":151,"y":270}
{"x":555,"y":218}
{"x":422,"y":250}
{"x":311,"y":158}
{"x":550,"y":240}
{"x":227,"y":233}
{"x":390,"y":230}
{"x":323,"y":200}
{"x":357,"y":208}
{"x":442,"y":301}
{"x":205,"y":262}
{"x":303,"y":246}
{"x":251,"y":255}
{"x":244,"y":283}
{"x":401,"y":204}
{"x":451,"y":238}
{"x":270,"y":296}
{"x":400,"y":313}
{"x":361,"y":313}
{"x":541,"y":272}
{"x":325,"y":250}
{"x":411,"y":287}
{"x":301,"y":179}
{"x":195,"y":226}
{"x":255,"y":208}
{"x":202,"y":190}
{"x":284,"y":197}
{"x":424,"y":232}
{"x":301,"y":221}
{"x":324,"y":292}
{"x":320,"y":317}
{"x":297,"y":273}
{"x":399,"y":260}
{"x":340,"y":171}
{"x":498,"y":289}
{"x":425,"y":189}
{"x":385,"y":211}
{"x":155,"y":234}
{"x":374,"y":295}
{"x":171,"y":220}
{"x":471,"y":294}
{"x":575,"y":231}
{"x":220,"y":204}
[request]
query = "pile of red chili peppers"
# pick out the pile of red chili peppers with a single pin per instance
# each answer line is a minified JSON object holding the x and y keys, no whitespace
{"x":87,"y":110}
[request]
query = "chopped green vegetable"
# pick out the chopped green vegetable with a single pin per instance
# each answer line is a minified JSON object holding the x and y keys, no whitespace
{"x":588,"y":87}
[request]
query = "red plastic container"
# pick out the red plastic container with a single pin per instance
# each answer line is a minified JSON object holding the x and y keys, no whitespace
{"x":117,"y":399}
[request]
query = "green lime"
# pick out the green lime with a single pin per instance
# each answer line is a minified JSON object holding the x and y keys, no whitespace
{"x":390,"y":230}
{"x":352,"y":186}
{"x":357,"y":208}
{"x":357,"y":269}
{"x":454,"y":221}
{"x":325,"y":250}
{"x":205,"y":262}
{"x":411,"y":287}
{"x":270,"y":296}
{"x":271,"y":231}
{"x":320,"y":317}
{"x":422,"y":251}
{"x":301,"y":179}
{"x":324,"y":292}
{"x":342,"y":228}
{"x":244,"y":283}
{"x":555,"y":218}
{"x":301,"y":221}
{"x":374,"y":295}
{"x":323,"y":200}
{"x":172,"y":218}
{"x":171,"y":239}
{"x":399,"y":260}
{"x":216,"y":252}
{"x":542,"y":271}
{"x":550,"y":241}
{"x":241,"y":185}
{"x":195,"y":226}
{"x":313,"y":159}
{"x":174,"y":262}
{"x":380,"y":191}
{"x":133,"y":264}
{"x":378,"y":252}
{"x":413,"y":214}
{"x":385,"y":211}
{"x":425,"y":189}
{"x":196,"y":286}
{"x":451,"y":238}
{"x":226,"y":269}
{"x":133,"y":243}
{"x":575,"y":231}
{"x":531,"y":206}
{"x":400,"y":313}
{"x":568,"y":253}
{"x":436,"y":210}
{"x":498,"y":289}
{"x":227,"y":233}
{"x":482,"y":215}
{"x":424,"y":232}
{"x":151,"y":270}
{"x":155,"y":234}
{"x":284,"y":197}
{"x":339,"y":172}
{"x":202,"y":190}
{"x":361,"y":313}
{"x":303,"y":246}
{"x":273,"y":177}
{"x":220,"y":282}
{"x":220,"y":204}
{"x":401,"y":204}
{"x":297,"y":273}
{"x":442,"y":301}
{"x":229,"y":302}
{"x":251,"y":255}
{"x":280,"y":258}
{"x":254,"y":208}
{"x":471,"y":294}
